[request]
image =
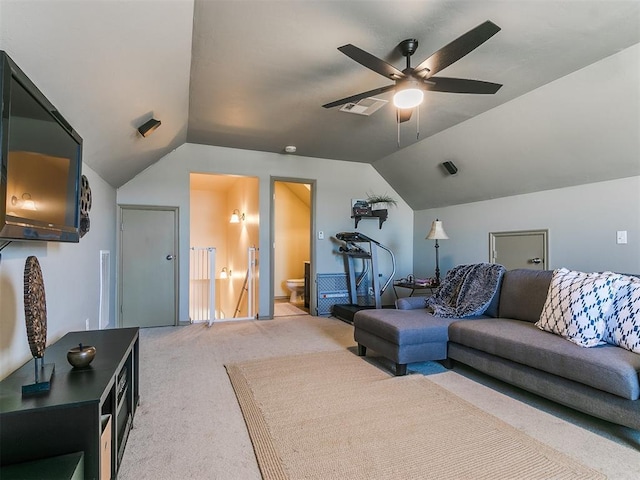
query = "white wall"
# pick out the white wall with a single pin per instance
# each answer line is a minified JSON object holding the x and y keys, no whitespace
{"x":582,"y":223}
{"x":337,"y":182}
{"x":71,"y":273}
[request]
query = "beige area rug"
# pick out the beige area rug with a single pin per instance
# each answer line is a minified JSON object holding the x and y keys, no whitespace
{"x":334,"y":415}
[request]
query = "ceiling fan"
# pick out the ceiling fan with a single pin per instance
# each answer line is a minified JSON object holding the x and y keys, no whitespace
{"x":410,"y":83}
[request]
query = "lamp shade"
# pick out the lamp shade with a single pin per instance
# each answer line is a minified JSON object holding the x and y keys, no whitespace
{"x":437,"y":231}
{"x":235,"y":217}
{"x":408,"y":98}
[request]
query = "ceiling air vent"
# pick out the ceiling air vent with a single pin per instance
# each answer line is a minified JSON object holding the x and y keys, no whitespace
{"x":366,"y":106}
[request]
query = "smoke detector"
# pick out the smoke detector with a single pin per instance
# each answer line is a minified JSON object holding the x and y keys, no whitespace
{"x":366,"y":106}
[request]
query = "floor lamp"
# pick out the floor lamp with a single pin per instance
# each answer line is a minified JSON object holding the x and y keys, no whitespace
{"x":437,"y":233}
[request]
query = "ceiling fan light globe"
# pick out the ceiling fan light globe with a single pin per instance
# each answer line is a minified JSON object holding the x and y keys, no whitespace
{"x":408,"y":98}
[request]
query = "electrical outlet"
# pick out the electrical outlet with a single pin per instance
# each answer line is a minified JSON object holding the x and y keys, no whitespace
{"x":320,"y":235}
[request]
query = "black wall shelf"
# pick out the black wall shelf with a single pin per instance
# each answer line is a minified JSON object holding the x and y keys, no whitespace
{"x":381,"y":215}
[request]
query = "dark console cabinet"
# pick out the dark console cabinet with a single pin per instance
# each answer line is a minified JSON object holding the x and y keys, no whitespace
{"x":71,"y":416}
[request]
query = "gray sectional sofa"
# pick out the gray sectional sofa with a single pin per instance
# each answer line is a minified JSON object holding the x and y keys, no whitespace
{"x":602,"y":381}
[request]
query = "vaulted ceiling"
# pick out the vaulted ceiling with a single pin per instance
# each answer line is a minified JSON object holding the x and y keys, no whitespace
{"x":255,"y":74}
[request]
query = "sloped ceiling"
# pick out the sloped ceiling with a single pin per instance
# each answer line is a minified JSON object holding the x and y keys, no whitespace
{"x":254,"y":74}
{"x":108,"y":66}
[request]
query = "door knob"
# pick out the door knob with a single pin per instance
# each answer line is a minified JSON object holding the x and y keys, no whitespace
{"x":535,"y":260}
{"x":170,"y":257}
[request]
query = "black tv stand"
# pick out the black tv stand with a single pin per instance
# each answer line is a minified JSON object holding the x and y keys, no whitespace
{"x":70,"y":417}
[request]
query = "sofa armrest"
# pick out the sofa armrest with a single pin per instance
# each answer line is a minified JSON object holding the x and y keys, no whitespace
{"x":411,"y":303}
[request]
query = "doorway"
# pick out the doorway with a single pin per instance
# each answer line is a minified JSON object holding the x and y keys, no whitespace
{"x":292,"y":246}
{"x":224,"y":228}
{"x":148,"y":266}
{"x":521,"y":249}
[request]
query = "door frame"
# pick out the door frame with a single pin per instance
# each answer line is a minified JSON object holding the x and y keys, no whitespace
{"x":176,"y":263}
{"x":312,"y":240}
{"x":545,"y":243}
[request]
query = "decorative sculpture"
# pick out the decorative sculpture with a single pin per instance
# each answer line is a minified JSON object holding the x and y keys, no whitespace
{"x":35,"y":307}
{"x":35,"y":316}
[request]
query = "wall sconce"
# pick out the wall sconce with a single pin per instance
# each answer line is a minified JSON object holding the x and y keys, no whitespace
{"x":236,"y":217}
{"x":24,"y":203}
{"x":149,"y":127}
{"x":223,"y":273}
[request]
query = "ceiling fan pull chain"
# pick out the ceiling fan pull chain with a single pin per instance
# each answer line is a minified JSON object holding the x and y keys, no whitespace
{"x":398,"y":124}
{"x":418,"y":123}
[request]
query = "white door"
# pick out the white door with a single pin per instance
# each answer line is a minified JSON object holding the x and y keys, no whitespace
{"x":148,"y":267}
{"x":526,"y":249}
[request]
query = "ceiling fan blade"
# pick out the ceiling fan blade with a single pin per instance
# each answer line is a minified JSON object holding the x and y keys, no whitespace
{"x":359,"y":96}
{"x":457,"y":49}
{"x":460,"y":85}
{"x":371,"y":62}
{"x":404,"y":114}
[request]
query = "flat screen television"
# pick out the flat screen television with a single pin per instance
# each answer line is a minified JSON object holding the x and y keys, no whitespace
{"x":41,"y":164}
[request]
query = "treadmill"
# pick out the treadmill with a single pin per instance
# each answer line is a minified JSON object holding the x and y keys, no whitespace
{"x":356,"y":245}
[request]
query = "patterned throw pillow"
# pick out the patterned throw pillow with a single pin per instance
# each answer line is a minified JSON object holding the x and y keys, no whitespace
{"x":623,"y":324}
{"x":577,"y":305}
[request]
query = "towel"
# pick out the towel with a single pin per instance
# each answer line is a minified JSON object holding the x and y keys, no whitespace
{"x":467,"y":290}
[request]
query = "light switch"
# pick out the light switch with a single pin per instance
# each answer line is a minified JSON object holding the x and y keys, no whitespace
{"x":621,"y":237}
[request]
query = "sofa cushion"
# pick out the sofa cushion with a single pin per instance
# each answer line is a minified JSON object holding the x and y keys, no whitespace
{"x":623,"y":323}
{"x":606,"y":367}
{"x":492,"y":309}
{"x":523,"y":294}
{"x":577,"y":305}
{"x":403,"y":327}
{"x":411,"y":303}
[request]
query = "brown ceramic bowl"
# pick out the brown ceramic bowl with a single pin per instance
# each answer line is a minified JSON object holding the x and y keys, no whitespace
{"x":81,"y":356}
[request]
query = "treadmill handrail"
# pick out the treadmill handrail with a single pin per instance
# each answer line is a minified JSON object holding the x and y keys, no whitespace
{"x":357,"y":237}
{"x":393,"y":268}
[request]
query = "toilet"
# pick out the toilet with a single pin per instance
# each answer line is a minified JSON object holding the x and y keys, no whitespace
{"x":296,"y":285}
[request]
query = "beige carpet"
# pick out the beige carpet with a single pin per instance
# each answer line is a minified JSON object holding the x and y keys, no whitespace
{"x":189,"y":424}
{"x":334,"y":415}
{"x":285,"y":309}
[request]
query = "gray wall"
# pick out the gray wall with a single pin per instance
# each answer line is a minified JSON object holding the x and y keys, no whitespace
{"x":582,"y":223}
{"x":337,"y":182}
{"x":71,"y":273}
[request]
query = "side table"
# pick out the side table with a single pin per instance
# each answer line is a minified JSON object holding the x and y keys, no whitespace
{"x":414,"y":288}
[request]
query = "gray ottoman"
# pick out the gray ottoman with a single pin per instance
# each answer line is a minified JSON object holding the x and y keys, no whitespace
{"x":403,"y":336}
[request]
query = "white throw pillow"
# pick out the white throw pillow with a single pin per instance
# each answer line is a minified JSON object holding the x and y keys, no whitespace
{"x":578,"y":305}
{"x":623,"y":323}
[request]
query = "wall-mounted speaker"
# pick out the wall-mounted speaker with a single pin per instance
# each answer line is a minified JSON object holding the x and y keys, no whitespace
{"x":450,"y":167}
{"x":149,"y":127}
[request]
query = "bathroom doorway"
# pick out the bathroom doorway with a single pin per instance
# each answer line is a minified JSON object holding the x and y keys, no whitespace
{"x":292,"y":246}
{"x":224,"y":230}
